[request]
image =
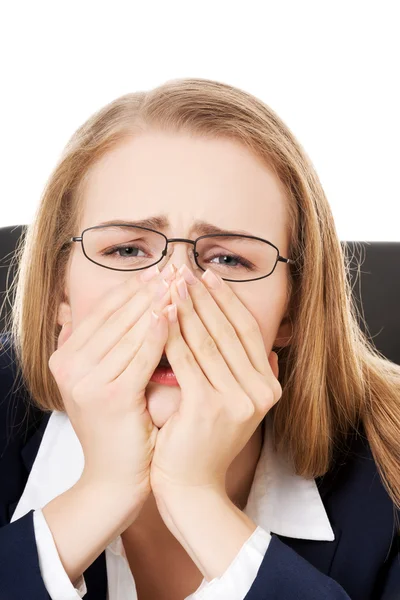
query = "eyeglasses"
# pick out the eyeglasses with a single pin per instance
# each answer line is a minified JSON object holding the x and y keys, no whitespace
{"x":131,"y":248}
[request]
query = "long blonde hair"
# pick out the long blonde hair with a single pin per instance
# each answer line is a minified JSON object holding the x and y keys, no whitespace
{"x":332,"y":377}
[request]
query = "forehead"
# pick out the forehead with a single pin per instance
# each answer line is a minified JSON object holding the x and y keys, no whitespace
{"x":186,"y":178}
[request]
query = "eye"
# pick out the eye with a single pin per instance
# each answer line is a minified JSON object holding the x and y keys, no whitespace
{"x":112,"y":251}
{"x":232,"y":257}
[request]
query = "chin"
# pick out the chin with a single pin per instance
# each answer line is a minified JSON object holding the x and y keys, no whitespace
{"x":162,"y":402}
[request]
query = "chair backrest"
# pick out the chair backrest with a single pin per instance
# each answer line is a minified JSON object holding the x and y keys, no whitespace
{"x":374,"y":277}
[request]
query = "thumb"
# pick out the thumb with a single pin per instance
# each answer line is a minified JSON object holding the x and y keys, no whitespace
{"x":64,"y":334}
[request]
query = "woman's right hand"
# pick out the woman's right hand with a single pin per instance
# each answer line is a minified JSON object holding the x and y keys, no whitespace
{"x":102,"y":369}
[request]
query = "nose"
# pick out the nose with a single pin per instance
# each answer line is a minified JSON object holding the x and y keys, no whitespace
{"x":178,"y":254}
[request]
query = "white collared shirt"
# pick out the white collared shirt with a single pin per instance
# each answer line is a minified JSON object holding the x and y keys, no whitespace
{"x":279,"y":502}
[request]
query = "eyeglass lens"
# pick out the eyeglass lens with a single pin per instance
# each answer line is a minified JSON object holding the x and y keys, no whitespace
{"x":129,"y":247}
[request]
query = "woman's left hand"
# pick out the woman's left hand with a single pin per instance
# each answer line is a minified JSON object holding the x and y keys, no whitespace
{"x":227,"y":383}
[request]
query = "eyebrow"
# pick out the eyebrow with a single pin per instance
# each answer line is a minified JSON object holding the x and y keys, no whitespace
{"x":161,"y":222}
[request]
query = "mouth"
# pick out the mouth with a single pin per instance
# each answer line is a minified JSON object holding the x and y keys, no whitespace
{"x":164,"y":373}
{"x":164,"y":362}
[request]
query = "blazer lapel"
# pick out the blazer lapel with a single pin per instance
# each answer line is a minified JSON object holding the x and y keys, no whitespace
{"x":319,"y":553}
{"x":96,"y":573}
{"x":31,"y":448}
{"x":28,"y":454}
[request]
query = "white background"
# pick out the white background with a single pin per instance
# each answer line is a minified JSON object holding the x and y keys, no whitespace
{"x":329,"y":69}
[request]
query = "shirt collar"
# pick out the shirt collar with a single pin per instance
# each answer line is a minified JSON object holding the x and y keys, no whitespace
{"x":284,"y":503}
{"x":280,"y":501}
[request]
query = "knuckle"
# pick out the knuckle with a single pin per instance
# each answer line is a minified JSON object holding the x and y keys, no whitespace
{"x":208,"y":347}
{"x":129,"y":343}
{"x":52,"y":362}
{"x":251,"y":328}
{"x":188,"y":358}
{"x":58,"y":367}
{"x":246,"y":410}
{"x":88,"y":390}
{"x":112,"y":390}
{"x":265,"y":397}
{"x":228,"y":331}
{"x":80,"y":392}
{"x":277,"y":389}
{"x":115,"y":317}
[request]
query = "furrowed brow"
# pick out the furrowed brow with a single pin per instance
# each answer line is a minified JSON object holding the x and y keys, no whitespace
{"x":161,"y":222}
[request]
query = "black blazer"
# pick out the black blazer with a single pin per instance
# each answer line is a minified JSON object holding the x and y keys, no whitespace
{"x":362,"y":563}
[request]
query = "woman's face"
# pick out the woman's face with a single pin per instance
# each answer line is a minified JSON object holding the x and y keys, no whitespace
{"x":187,"y":179}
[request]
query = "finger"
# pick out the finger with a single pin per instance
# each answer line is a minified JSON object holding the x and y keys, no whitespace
{"x":111,"y":302}
{"x":135,"y":336}
{"x":129,"y":321}
{"x":201,"y":344}
{"x":232,"y":318}
{"x":222,"y":331}
{"x":186,"y":369}
{"x":137,"y":366}
{"x":259,"y":388}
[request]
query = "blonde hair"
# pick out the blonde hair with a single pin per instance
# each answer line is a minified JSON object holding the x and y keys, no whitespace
{"x":332,"y":376}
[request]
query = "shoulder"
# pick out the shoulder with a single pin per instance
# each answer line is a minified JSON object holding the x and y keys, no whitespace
{"x":19,"y":417}
{"x":353,"y":490}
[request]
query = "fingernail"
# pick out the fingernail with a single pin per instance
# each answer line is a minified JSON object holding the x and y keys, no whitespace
{"x":182,"y":289}
{"x":188,"y":275}
{"x":149,"y":273}
{"x":211,"y":279}
{"x":155,"y":319}
{"x":168,"y":272}
{"x":162,"y":288}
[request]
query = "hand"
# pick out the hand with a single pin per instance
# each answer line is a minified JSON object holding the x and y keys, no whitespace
{"x":102,"y":369}
{"x":228,"y":384}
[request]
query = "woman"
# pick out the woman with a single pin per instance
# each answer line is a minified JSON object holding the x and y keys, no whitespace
{"x":228,"y":474}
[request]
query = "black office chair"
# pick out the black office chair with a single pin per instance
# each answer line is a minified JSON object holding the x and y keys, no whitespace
{"x":374,"y":277}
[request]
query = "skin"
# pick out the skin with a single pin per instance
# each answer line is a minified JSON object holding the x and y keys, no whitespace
{"x":187,"y":178}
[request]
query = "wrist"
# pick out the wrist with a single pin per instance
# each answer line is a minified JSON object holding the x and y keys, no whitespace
{"x":126,"y":499}
{"x":172,"y":500}
{"x":172,"y":493}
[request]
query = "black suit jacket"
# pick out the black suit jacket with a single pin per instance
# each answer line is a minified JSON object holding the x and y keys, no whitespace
{"x":362,"y":563}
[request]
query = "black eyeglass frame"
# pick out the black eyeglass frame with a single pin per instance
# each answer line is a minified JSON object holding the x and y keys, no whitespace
{"x":167,"y":241}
